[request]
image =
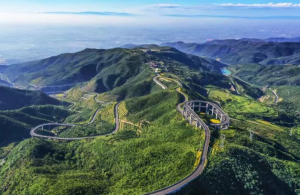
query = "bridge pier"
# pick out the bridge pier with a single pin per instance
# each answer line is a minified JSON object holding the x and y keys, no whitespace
{"x":191,"y":107}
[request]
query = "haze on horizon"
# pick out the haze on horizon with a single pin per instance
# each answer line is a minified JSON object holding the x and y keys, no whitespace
{"x":36,"y":29}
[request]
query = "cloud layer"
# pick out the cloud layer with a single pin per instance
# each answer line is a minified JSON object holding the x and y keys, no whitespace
{"x":266,"y":5}
{"x":169,"y":6}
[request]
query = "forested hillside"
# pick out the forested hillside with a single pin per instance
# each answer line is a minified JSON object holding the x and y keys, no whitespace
{"x":154,"y":146}
{"x":11,"y":98}
{"x":269,"y":75}
{"x":109,"y":68}
{"x":16,"y":124}
{"x":244,"y":51}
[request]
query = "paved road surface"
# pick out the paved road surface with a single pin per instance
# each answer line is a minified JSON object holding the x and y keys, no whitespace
{"x":236,"y":89}
{"x":155,"y":79}
{"x":82,"y":89}
{"x":276,"y":96}
{"x":198,"y":171}
{"x":168,"y":189}
{"x":181,"y":104}
{"x":34,"y":134}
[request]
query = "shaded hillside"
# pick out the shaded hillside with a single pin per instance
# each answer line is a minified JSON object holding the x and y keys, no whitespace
{"x":107,"y":68}
{"x":119,"y":164}
{"x":11,"y":98}
{"x":20,"y":110}
{"x":285,"y":80}
{"x":4,"y":83}
{"x":269,"y":75}
{"x":65,"y":68}
{"x":16,"y":124}
{"x":126,"y":161}
{"x":244,"y":51}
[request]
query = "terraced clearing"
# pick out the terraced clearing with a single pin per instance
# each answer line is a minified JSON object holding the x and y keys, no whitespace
{"x":241,"y":107}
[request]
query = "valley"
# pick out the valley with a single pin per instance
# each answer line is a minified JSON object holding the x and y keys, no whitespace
{"x":128,"y":121}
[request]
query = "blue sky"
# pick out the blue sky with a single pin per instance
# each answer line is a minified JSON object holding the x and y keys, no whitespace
{"x":279,"y":7}
{"x":27,"y":33}
{"x":146,"y":8}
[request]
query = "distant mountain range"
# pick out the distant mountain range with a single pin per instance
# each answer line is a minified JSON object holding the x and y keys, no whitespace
{"x":283,"y":39}
{"x":273,"y":51}
{"x":107,"y":68}
{"x":5,"y":83}
{"x":269,"y":75}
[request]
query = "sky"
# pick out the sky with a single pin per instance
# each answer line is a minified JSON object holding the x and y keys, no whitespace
{"x":35,"y":29}
{"x":249,"y":8}
{"x":132,"y":11}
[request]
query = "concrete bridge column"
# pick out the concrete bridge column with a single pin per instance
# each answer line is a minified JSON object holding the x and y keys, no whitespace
{"x":192,"y":119}
{"x":193,"y":106}
{"x":206,"y":107}
{"x":186,"y":115}
{"x":196,"y":123}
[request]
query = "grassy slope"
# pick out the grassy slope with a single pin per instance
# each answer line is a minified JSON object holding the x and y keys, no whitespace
{"x":137,"y":159}
{"x":109,"y":68}
{"x":15,"y":98}
{"x":269,"y":75}
{"x":126,"y":163}
{"x":284,"y":79}
{"x":269,"y":164}
{"x":65,"y":68}
{"x":103,"y":124}
{"x":21,"y":110}
{"x":241,"y":107}
{"x":16,"y":124}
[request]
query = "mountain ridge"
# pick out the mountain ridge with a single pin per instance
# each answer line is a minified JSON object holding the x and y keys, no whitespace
{"x":241,"y":51}
{"x":97,"y":64}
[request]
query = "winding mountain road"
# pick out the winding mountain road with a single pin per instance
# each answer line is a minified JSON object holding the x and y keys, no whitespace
{"x":155,"y":79}
{"x":200,"y":167}
{"x":181,"y":104}
{"x":117,"y":125}
{"x":234,"y":85}
{"x":167,"y":190}
{"x":276,"y":96}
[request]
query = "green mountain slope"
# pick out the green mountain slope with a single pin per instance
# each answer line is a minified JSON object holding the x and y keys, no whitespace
{"x":102,"y":65}
{"x":130,"y":162}
{"x":244,"y":51}
{"x":15,"y":98}
{"x":16,"y":124}
{"x":155,"y":146}
{"x":284,"y":80}
{"x":20,"y":110}
{"x":269,"y":75}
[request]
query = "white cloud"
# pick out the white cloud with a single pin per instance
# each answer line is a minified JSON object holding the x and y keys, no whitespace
{"x":266,"y":5}
{"x":166,"y":6}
